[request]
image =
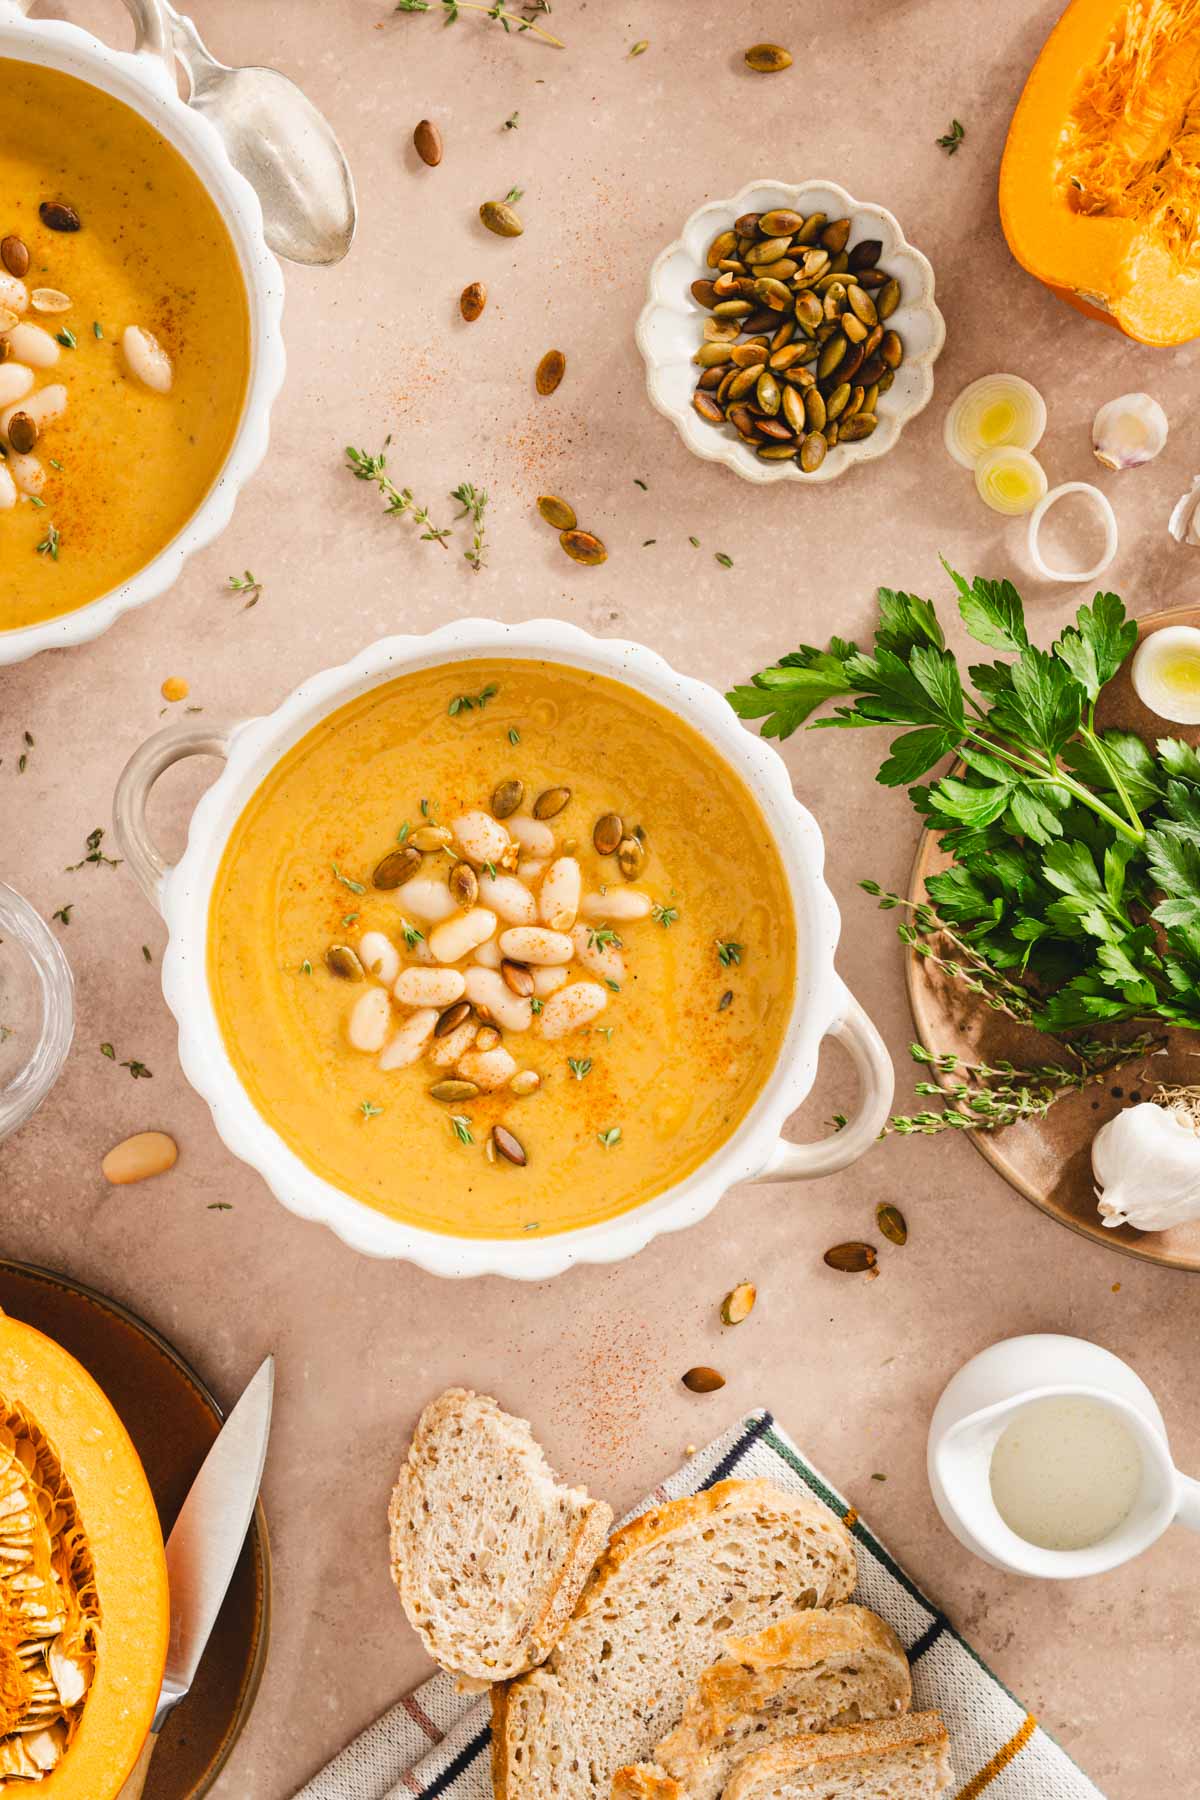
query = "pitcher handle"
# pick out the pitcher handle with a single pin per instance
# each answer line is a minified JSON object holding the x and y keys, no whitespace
{"x":1187,"y":1511}
{"x":146,"y":861}
{"x":804,"y":1162}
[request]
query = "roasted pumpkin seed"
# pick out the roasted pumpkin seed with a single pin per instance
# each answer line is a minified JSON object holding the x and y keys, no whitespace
{"x":556,"y":512}
{"x":888,"y":299}
{"x":463,"y":885}
{"x":550,"y":371}
{"x":836,"y":401}
{"x":397,"y":867}
{"x":767,"y":391}
{"x":852,"y":1258}
{"x":891,"y":350}
{"x":704,"y":292}
{"x":499,"y":217}
{"x":452,"y":1018}
{"x":525,"y":1081}
{"x":14,"y":253}
{"x":738,"y":1303}
{"x":747,"y":224}
{"x":861,"y":304}
{"x":583,"y":547}
{"x":793,"y":410}
{"x":454,"y":1090}
{"x":722,"y":247}
{"x":472,"y":301}
{"x":780,"y":222}
{"x":607,"y":834}
{"x":832,"y":352}
{"x":776,"y":452}
{"x":815,"y":410}
{"x":340,"y":960}
{"x":509,"y":1147}
{"x":506,"y":797}
{"x":518,"y":978}
{"x":550,"y":802}
{"x":707,"y":407}
{"x":812,"y":452}
{"x":860,"y":426}
{"x":768,"y":250}
{"x":768,"y":59}
{"x":56,"y":215}
{"x":631,"y":857}
{"x":427,"y":140}
{"x":892,"y":1223}
{"x":703,"y":1380}
{"x":22,"y":433}
{"x":775,"y":294}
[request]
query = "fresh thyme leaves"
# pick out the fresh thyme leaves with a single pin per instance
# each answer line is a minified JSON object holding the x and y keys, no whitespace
{"x":97,"y":329}
{"x":356,"y":887}
{"x":399,"y":500}
{"x":403,"y":832}
{"x":514,"y":736}
{"x":725,"y":561}
{"x":146,"y":956}
{"x":640,"y":48}
{"x":66,"y":337}
{"x":1072,"y":895}
{"x":51,"y":543}
{"x":512,"y":122}
{"x":474,"y":503}
{"x":644,"y":485}
{"x":305,"y":967}
{"x":220,"y":1206}
{"x":64,"y":912}
{"x":369,"y":1110}
{"x":694,"y":542}
{"x":950,"y":141}
{"x":536,"y":1005}
{"x":137,"y":1070}
{"x":470,"y":702}
{"x":411,"y":934}
{"x":460,"y":1124}
{"x":579,"y":1066}
{"x":982,"y":1097}
{"x":728,"y":952}
{"x":497,"y":11}
{"x":664,"y":915}
{"x":513,"y":195}
{"x":107,"y":1050}
{"x":93,"y":853}
{"x":23,"y":758}
{"x":608,"y":1139}
{"x":246,"y":584}
{"x":725,"y":1000}
{"x":603,"y":937}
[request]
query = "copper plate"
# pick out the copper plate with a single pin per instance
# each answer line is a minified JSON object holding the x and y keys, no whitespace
{"x":172,"y":1418}
{"x":1049,"y":1160}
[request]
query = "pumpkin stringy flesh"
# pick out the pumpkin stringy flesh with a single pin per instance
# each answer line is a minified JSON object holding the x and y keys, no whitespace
{"x":1131,"y":142}
{"x":49,"y":1612}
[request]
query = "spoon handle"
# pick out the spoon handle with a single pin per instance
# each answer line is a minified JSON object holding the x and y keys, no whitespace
{"x":150,"y":29}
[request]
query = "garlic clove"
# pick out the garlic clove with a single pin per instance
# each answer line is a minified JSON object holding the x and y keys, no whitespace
{"x":1184,"y":523}
{"x":1129,"y":431}
{"x":1146,"y":1162}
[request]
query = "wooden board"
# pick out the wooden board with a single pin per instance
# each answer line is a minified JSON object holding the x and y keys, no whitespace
{"x":172,"y":1419}
{"x":1049,"y":1160}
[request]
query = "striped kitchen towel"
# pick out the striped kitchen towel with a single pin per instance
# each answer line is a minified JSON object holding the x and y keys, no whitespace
{"x":435,"y":1741}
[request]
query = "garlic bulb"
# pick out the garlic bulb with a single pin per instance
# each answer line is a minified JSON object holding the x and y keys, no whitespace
{"x":1146,"y":1163}
{"x":1184,"y":523}
{"x":1128,"y":431}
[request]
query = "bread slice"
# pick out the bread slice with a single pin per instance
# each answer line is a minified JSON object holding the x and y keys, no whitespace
{"x":892,"y":1759}
{"x":669,"y":1588}
{"x":804,"y":1674}
{"x":489,"y":1552}
{"x":645,"y":1781}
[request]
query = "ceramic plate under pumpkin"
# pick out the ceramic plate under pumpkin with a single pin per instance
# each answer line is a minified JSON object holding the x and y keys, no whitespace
{"x":1049,"y":1160}
{"x":172,"y":1419}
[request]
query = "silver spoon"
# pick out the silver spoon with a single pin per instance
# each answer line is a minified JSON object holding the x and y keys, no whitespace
{"x":275,"y":137}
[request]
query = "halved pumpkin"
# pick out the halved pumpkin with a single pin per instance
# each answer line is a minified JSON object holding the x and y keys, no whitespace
{"x":84,"y":1615}
{"x":1100,"y":182}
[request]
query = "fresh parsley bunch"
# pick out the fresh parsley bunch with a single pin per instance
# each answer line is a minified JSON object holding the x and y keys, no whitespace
{"x":1076,"y":852}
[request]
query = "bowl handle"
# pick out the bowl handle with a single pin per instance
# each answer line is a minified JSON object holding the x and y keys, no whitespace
{"x":156,"y":755}
{"x":803,"y":1162}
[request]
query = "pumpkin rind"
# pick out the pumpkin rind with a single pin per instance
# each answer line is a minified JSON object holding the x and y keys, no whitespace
{"x":117,"y":1513}
{"x":1100,"y":182}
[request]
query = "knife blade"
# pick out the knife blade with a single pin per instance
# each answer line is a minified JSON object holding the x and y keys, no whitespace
{"x":207,"y":1538}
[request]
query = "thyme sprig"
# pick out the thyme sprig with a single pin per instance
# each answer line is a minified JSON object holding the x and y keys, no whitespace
{"x":498,"y":12}
{"x":399,"y":500}
{"x":987,"y":1096}
{"x":474,"y":504}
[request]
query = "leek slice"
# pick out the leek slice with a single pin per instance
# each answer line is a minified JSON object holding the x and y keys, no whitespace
{"x":1010,"y":481}
{"x":994,"y":412}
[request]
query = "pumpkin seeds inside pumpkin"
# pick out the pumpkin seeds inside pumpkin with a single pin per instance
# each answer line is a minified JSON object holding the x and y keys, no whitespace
{"x":397,"y":867}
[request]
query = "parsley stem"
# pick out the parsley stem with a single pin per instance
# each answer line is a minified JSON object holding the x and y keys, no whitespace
{"x":1088,"y":734}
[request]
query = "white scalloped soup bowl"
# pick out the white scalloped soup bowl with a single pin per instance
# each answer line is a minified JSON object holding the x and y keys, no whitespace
{"x":139,"y":80}
{"x":822,"y":1005}
{"x":670,"y":327}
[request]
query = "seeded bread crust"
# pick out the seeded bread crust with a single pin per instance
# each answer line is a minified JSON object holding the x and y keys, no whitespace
{"x":632,"y":1699}
{"x":489,"y":1553}
{"x":890,"y":1759}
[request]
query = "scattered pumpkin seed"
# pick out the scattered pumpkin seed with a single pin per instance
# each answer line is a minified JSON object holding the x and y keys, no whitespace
{"x":550,"y":371}
{"x":452,"y":1018}
{"x":702,"y":1380}
{"x":583,"y":547}
{"x":472,"y":301}
{"x":509,"y":1147}
{"x":431,"y":838}
{"x":607,"y":834}
{"x":556,"y":512}
{"x":631,"y":857}
{"x":499,"y":217}
{"x":427,"y":140}
{"x":550,"y":802}
{"x":397,"y":867}
{"x":463,"y":884}
{"x":768,"y":59}
{"x":892,"y":1223}
{"x":506,"y":798}
{"x":738,"y":1303}
{"x":340,"y":960}
{"x":852,"y":1258}
{"x":454,"y":1090}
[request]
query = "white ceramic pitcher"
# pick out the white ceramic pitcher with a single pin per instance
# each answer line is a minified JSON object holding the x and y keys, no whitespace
{"x":984,"y":1397}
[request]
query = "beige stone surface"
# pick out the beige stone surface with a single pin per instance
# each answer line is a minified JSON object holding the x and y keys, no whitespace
{"x":613,"y":153}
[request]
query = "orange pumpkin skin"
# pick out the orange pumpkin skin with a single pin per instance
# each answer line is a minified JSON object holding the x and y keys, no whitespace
{"x":118,"y":1515}
{"x":1111,"y":264}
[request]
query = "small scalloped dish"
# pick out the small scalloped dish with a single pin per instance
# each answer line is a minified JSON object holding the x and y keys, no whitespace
{"x":670,"y":327}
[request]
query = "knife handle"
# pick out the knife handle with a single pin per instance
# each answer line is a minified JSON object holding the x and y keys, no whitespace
{"x":137,"y":1780}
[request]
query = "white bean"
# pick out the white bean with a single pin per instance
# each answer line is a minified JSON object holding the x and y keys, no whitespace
{"x":488,"y":955}
{"x":15,"y":382}
{"x":34,"y":345}
{"x":146,"y":359}
{"x":429,"y":987}
{"x":27,"y":472}
{"x":379,"y":956}
{"x":535,"y":944}
{"x":621,"y":903}
{"x":488,"y":1069}
{"x":8,"y":489}
{"x":530,"y":870}
{"x":444,"y":1052}
{"x":13,"y":294}
{"x":508,"y":898}
{"x":460,"y":935}
{"x":533,"y":835}
{"x":410,"y":1041}
{"x":558,"y":901}
{"x":44,"y":407}
{"x":604,"y":960}
{"x":492,"y":995}
{"x":547,"y":981}
{"x":483,"y":838}
{"x":572,"y":1007}
{"x":370,"y":1017}
{"x":426,"y":899}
